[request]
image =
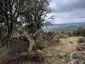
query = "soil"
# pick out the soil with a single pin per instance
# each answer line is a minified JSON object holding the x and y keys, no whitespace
{"x":66,"y":47}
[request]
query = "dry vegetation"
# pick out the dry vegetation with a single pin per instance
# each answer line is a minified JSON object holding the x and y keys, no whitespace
{"x":54,"y":53}
{"x":59,"y":54}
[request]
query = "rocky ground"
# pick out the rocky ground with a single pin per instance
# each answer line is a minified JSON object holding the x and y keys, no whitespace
{"x":60,"y":53}
{"x":68,"y":51}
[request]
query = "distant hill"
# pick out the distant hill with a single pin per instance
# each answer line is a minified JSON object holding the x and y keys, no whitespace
{"x":67,"y":26}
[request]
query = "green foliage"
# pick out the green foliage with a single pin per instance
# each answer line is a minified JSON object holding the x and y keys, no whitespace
{"x":79,"y":31}
{"x":63,"y":34}
{"x":3,"y":53}
{"x":31,"y":13}
{"x":38,"y":45}
{"x":10,"y":11}
{"x":35,"y":16}
{"x":70,"y":34}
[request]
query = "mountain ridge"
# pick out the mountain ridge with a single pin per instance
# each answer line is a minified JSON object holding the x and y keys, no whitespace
{"x":58,"y":27}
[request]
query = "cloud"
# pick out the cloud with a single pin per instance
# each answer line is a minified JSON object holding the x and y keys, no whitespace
{"x":66,"y":11}
{"x":69,"y":5}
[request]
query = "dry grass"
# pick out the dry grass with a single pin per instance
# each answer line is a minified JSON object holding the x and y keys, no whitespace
{"x":70,"y":39}
{"x":59,"y":54}
{"x":56,"y":54}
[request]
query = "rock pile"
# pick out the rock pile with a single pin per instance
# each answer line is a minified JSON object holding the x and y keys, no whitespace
{"x":51,"y":37}
{"x":78,"y":57}
{"x":19,"y":45}
{"x":36,"y":56}
{"x":81,"y":45}
{"x":81,"y":40}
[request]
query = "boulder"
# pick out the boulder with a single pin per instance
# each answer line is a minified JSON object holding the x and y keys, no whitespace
{"x":24,"y":38}
{"x":81,"y":40}
{"x":51,"y":37}
{"x":18,"y":46}
{"x":76,"y":61}
{"x":77,"y":57}
{"x":55,"y":39}
{"x":81,"y":47}
{"x":36,"y":56}
{"x":39,"y":35}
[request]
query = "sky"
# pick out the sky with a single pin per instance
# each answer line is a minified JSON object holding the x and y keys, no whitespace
{"x":67,"y":11}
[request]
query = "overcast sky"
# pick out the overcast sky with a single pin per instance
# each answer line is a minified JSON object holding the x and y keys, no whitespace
{"x":68,"y":11}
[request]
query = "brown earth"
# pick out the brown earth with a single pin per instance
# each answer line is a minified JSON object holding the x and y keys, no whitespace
{"x":66,"y":47}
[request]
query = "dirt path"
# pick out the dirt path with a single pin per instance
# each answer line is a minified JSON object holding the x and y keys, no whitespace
{"x":55,"y":52}
{"x":68,"y":44}
{"x":66,"y":47}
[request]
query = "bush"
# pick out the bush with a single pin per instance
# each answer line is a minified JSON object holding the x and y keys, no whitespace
{"x":3,"y":53}
{"x":38,"y":45}
{"x":79,"y":31}
{"x":63,"y":35}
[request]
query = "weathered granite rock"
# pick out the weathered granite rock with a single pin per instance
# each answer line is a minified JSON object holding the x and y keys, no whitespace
{"x":18,"y":45}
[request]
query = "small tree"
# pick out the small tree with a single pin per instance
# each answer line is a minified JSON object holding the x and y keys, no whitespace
{"x":10,"y":11}
{"x":35,"y":16}
{"x":79,"y":31}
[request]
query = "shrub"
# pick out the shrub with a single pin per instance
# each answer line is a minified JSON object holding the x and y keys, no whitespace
{"x":3,"y":53}
{"x":79,"y":31}
{"x":63,"y":35}
{"x":38,"y":45}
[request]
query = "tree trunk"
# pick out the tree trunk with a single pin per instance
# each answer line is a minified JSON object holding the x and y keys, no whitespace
{"x":10,"y":29}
